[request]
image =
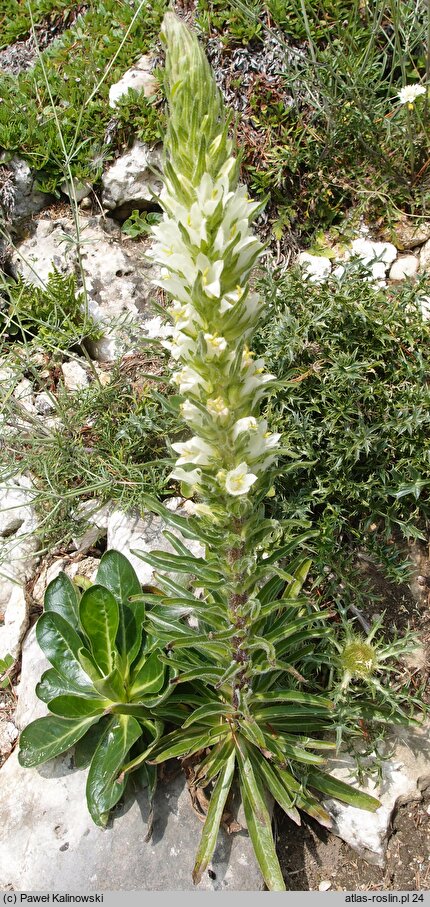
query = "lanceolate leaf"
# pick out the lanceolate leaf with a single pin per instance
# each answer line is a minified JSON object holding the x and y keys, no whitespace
{"x":48,"y":737}
{"x":148,"y":678}
{"x":99,"y":615}
{"x":103,"y":787}
{"x":258,"y":821}
{"x":69,"y":706}
{"x":87,"y":745}
{"x":332,"y":787}
{"x":214,"y":817}
{"x":61,"y":644}
{"x":62,"y":597}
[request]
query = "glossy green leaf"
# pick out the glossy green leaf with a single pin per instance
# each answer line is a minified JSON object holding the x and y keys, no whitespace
{"x":119,"y":576}
{"x":52,"y":684}
{"x":48,"y":737}
{"x":103,"y":787}
{"x":209,"y":710}
{"x":69,"y":706}
{"x":62,"y":597}
{"x":87,"y":745}
{"x":276,"y":785}
{"x":99,"y":616}
{"x":332,"y":787}
{"x":213,"y":819}
{"x":112,"y":686}
{"x":258,"y":821}
{"x":61,"y":644}
{"x":148,"y":677}
{"x":307,"y":699}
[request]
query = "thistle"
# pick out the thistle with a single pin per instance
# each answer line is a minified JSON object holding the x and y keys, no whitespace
{"x":237,"y":672}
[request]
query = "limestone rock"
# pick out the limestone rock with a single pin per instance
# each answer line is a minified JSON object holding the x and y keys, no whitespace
{"x":139,"y":77}
{"x":19,"y":198}
{"x":129,"y":531}
{"x":409,"y":234}
{"x":44,"y":404}
{"x":75,"y":375}
{"x":425,"y":257}
{"x":41,"y":252}
{"x":24,"y":393}
{"x":49,"y":842}
{"x":18,"y":549}
{"x":405,"y":776}
{"x":316,"y":267}
{"x":406,"y":266}
{"x":130,"y":182}
{"x":76,"y":190}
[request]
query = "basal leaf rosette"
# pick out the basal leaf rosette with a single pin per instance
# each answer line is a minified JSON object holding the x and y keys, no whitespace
{"x":207,"y":250}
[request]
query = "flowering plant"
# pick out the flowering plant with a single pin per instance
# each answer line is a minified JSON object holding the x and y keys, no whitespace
{"x":240,"y":667}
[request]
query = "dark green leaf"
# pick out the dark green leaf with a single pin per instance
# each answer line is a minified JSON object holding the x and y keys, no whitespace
{"x":103,"y":787}
{"x":62,"y":597}
{"x":48,"y":737}
{"x":61,"y":645}
{"x":213,"y":819}
{"x":99,"y":616}
{"x":69,"y":706}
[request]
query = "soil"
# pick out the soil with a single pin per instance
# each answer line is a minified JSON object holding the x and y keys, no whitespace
{"x":310,"y":855}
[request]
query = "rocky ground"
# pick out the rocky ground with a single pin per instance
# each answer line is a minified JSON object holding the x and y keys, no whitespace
{"x":42,"y":812}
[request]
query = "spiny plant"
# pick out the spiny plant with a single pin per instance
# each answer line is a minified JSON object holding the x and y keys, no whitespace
{"x":105,"y":680}
{"x":244,"y":668}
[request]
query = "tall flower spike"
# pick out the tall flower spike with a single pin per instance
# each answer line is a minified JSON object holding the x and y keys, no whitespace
{"x":207,"y":250}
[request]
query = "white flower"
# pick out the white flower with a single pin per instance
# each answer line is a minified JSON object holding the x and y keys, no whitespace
{"x":190,"y":413}
{"x":188,"y":380}
{"x":211,"y":273}
{"x":249,"y":423}
{"x":195,"y":450}
{"x":215,"y":345}
{"x":184,"y":315}
{"x":192,"y":477}
{"x":181,"y":346}
{"x":410,"y":93}
{"x":209,"y":194}
{"x":217,"y":408}
{"x":238,"y":481}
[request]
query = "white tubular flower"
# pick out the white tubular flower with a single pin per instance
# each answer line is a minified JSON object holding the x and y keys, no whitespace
{"x":192,"y":477}
{"x":195,"y":450}
{"x":249,"y":423}
{"x":188,"y":380}
{"x":238,"y":481}
{"x":191,"y":413}
{"x":410,"y":93}
{"x":209,"y":194}
{"x":181,"y":346}
{"x":214,"y":345}
{"x":174,"y":285}
{"x":211,"y":273}
{"x":184,"y":315}
{"x":217,"y":408}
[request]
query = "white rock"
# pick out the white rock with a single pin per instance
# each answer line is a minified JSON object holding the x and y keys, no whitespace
{"x":75,"y":375}
{"x":96,"y":516}
{"x":406,"y":266}
{"x":130,"y":182}
{"x":37,"y":256}
{"x":24,"y":393}
{"x":157,"y":329}
{"x":49,"y":842}
{"x":139,"y":77}
{"x":405,"y":775}
{"x":8,"y":735}
{"x":25,"y":200}
{"x":325,"y":885}
{"x":18,"y":548}
{"x":316,"y":267}
{"x":425,"y":257}
{"x":79,"y":191}
{"x":368,"y":251}
{"x":127,"y":531}
{"x":44,"y":404}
